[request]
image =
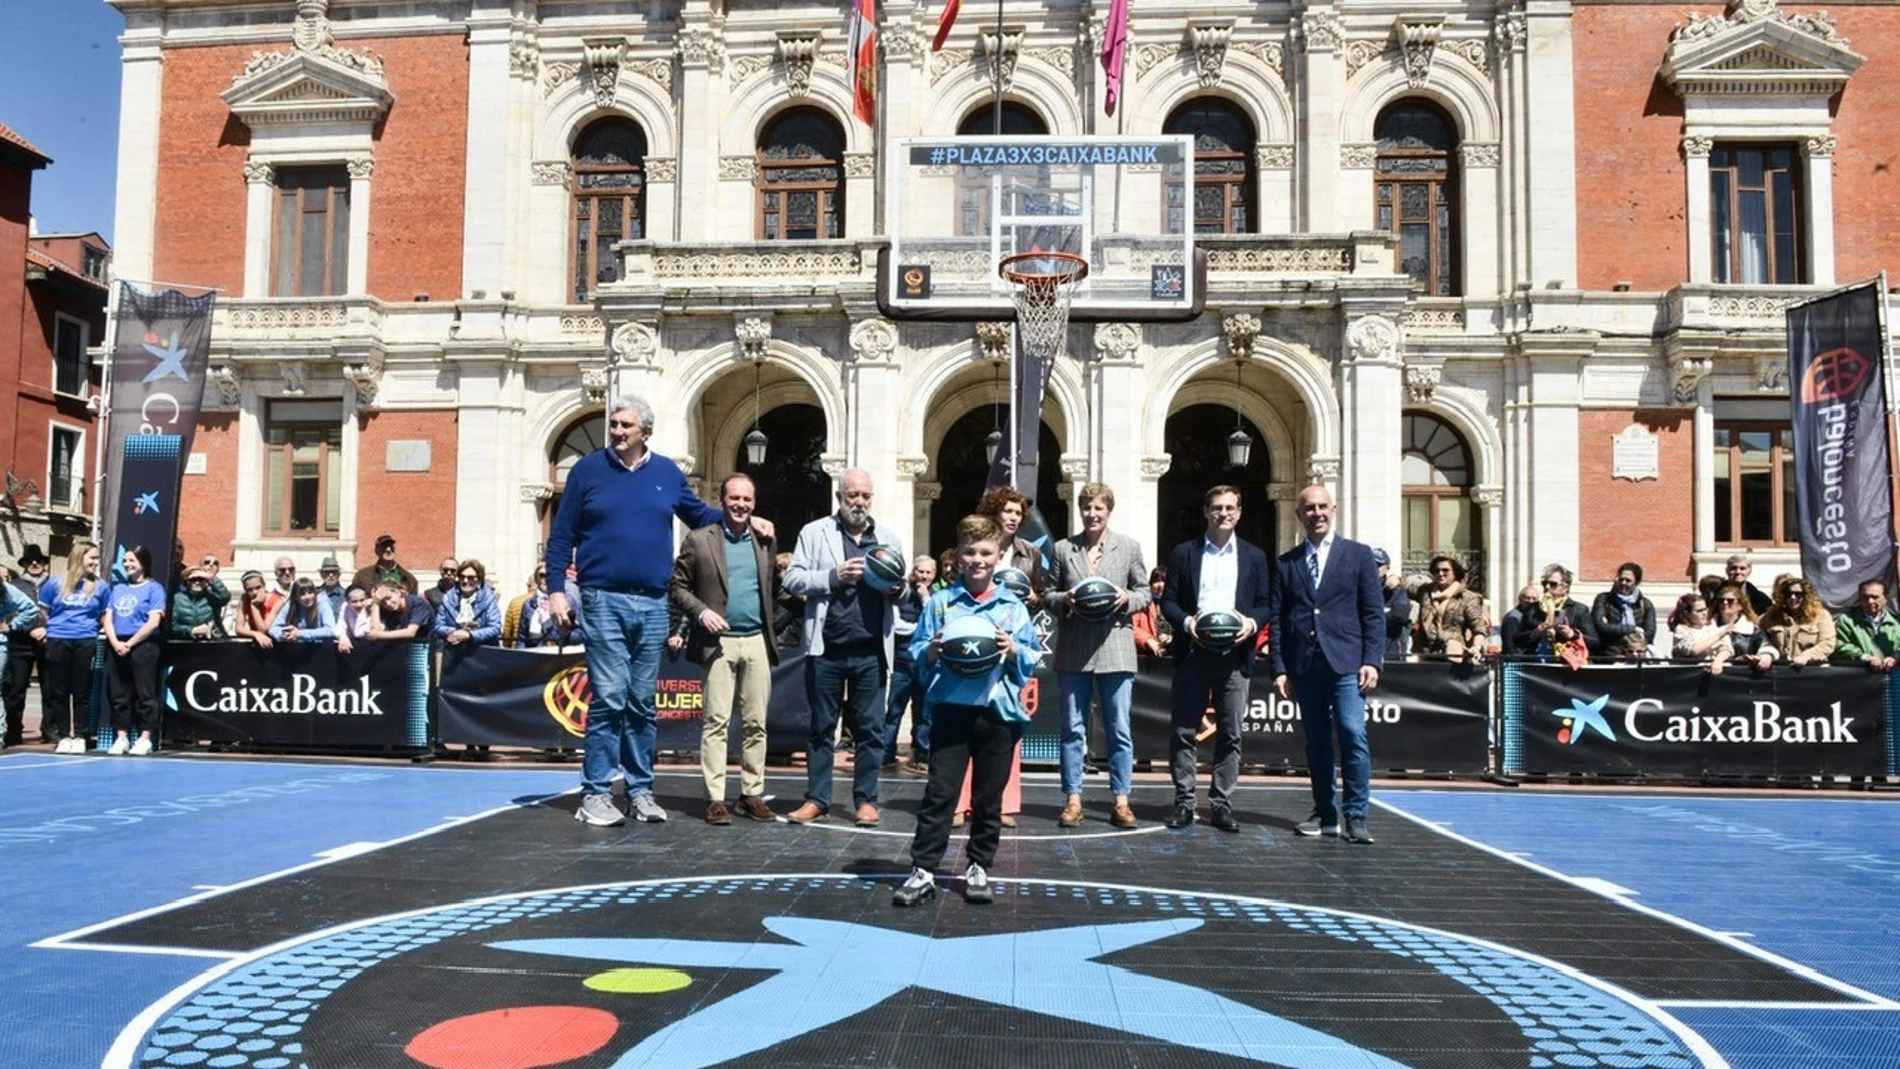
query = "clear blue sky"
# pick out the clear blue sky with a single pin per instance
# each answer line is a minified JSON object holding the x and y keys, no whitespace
{"x":59,"y":88}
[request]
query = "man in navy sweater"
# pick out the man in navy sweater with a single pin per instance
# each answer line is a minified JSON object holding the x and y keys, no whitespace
{"x":616,"y":525}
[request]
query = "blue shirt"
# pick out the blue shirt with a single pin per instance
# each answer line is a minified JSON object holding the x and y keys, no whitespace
{"x":616,"y":523}
{"x":132,"y":604}
{"x":1001,"y":690}
{"x":75,"y":616}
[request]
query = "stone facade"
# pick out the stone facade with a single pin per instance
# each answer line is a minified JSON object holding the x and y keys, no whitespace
{"x":1584,"y":305}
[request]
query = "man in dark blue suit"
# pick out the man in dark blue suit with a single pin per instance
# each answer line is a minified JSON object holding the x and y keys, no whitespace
{"x":1329,"y":635}
{"x":1219,"y":570}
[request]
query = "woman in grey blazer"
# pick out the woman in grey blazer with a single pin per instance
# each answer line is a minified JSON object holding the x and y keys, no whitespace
{"x":1097,"y":656}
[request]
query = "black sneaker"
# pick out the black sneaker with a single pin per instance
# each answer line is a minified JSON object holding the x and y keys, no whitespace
{"x":920,"y":886}
{"x":1356,"y":831}
{"x":1318,"y":825}
{"x":1182,"y":817}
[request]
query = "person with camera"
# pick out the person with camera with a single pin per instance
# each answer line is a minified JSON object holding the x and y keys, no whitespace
{"x":198,"y":607}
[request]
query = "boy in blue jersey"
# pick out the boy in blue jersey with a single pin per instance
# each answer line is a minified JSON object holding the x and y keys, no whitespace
{"x":975,"y":721}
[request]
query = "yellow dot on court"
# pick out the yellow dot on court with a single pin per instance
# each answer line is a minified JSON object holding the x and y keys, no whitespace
{"x":638,"y":981}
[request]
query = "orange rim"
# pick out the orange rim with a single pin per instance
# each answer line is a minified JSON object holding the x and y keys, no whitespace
{"x":1073,"y":269}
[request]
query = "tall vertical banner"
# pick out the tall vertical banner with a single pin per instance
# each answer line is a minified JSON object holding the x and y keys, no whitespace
{"x":160,"y":356}
{"x":1843,"y":490}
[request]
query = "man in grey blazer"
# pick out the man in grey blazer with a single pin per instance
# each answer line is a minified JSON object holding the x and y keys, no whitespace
{"x":1097,"y":657}
{"x":848,"y":626}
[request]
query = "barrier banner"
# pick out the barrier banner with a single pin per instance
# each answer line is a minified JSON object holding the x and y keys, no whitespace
{"x":1430,"y":716}
{"x":1682,"y":721}
{"x":299,"y":695}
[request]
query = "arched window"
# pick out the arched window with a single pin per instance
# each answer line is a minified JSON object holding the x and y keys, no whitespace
{"x":963,"y":469}
{"x":1196,"y":438}
{"x":790,"y":488}
{"x":973,"y":187}
{"x":1417,"y":192}
{"x":609,"y":176}
{"x":583,"y":436}
{"x":1439,"y":516}
{"x":801,"y":177}
{"x":1223,"y":168}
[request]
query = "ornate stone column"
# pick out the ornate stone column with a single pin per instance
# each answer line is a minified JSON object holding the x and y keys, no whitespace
{"x":702,"y":54}
{"x":488,"y":147}
{"x":1371,"y":405}
{"x":1317,"y":36}
{"x":874,"y":392}
{"x":360,"y":168}
{"x":260,"y":193}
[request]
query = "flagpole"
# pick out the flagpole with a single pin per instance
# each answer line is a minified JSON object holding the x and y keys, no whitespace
{"x":996,"y":70}
{"x":1893,"y":433}
{"x":96,"y":514}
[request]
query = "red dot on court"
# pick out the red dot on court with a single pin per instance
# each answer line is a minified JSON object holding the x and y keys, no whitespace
{"x":522,"y":1037}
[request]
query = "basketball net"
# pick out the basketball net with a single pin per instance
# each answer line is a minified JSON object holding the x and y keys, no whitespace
{"x":1041,"y":282}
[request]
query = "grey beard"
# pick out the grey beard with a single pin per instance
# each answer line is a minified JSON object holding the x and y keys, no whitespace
{"x":857,"y":518}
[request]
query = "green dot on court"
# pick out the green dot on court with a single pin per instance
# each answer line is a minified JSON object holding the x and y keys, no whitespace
{"x":638,"y":981}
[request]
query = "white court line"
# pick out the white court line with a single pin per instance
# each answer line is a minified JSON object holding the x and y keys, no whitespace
{"x":69,"y":761}
{"x":1009,"y":836}
{"x":65,"y":940}
{"x":1806,"y":972}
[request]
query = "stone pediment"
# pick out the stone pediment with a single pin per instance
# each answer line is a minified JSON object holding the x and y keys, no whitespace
{"x":318,"y":85}
{"x":1757,"y":50}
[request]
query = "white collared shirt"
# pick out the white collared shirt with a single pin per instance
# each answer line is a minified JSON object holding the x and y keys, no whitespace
{"x":1220,"y":574}
{"x":1324,"y":550}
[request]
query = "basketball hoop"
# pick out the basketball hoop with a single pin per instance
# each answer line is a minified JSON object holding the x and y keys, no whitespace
{"x":1041,"y":282}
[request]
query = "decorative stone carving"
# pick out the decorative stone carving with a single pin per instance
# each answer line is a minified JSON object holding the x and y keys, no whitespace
{"x":743,"y":67}
{"x":1697,"y":145}
{"x":992,"y":340}
{"x":1155,"y":465}
{"x":1478,"y":154}
{"x":259,"y":172}
{"x":796,"y":51}
{"x":1075,"y":467}
{"x":1818,"y":147}
{"x":312,"y":28}
{"x":581,"y":323}
{"x":365,"y":376}
{"x":230,"y":392}
{"x":874,"y":341}
{"x":860,"y":164}
{"x":601,"y":56}
{"x":700,"y":46}
{"x":1686,"y":372}
{"x":902,"y":43}
{"x":658,"y":70}
{"x":634,"y":343}
{"x":1472,"y":50}
{"x":1511,"y":32}
{"x":1322,"y":468}
{"x":1487,"y":496}
{"x":1356,"y":54}
{"x":555,"y":75}
{"x":1755,"y":49}
{"x":535,"y":493}
{"x":524,"y":60}
{"x":1360,"y":155}
{"x":313,"y":82}
{"x":943,"y":63}
{"x":1003,"y":52}
{"x":833,"y":464}
{"x":1272,"y":53}
{"x":1273,"y":157}
{"x":911,"y":465}
{"x":1153,"y":54}
{"x":1209,"y":41}
{"x":738,"y":168}
{"x":1117,"y":342}
{"x":1320,"y":31}
{"x":1421,"y":382}
{"x":549,"y":172}
{"x":594,"y":382}
{"x":1745,"y":12}
{"x":1418,"y":39}
{"x":1373,"y":339}
{"x":1061,"y":58}
{"x":1771,"y":373}
{"x":293,"y":373}
{"x":1240,"y":329}
{"x":360,"y":167}
{"x":1282,"y":492}
{"x":662,"y":169}
{"x":752,"y":333}
{"x":927,"y":491}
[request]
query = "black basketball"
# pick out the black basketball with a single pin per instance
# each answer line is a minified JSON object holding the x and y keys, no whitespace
{"x":1094,"y":598}
{"x":969,"y":646}
{"x":885,"y":568}
{"x":1015,"y":580}
{"x":1218,"y":629}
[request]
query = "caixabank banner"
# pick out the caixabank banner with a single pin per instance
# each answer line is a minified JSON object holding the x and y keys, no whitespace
{"x":299,"y":696}
{"x":1682,"y":721}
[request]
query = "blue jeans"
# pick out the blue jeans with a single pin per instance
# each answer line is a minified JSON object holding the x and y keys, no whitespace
{"x":1118,"y":692}
{"x":1331,"y":703}
{"x":826,"y":678}
{"x":626,"y":636}
{"x":906,"y":696}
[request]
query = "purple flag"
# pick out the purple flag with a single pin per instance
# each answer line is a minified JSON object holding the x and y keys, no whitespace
{"x":1115,"y":49}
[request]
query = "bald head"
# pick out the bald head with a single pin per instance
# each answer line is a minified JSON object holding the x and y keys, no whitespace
{"x":854,"y":499}
{"x":1314,"y":507}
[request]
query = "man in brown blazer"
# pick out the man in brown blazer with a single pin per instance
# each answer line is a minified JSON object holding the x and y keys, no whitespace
{"x":722,"y":585}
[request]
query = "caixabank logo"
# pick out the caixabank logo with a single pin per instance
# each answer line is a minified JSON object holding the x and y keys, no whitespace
{"x":819,"y":970}
{"x":1762,"y":722}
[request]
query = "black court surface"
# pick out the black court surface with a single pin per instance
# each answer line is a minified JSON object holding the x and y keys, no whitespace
{"x":461,"y":919}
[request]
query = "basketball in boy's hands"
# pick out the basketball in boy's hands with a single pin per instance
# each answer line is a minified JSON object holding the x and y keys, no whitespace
{"x":969,"y":647}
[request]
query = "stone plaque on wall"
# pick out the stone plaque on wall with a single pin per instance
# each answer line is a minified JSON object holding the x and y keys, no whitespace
{"x":195,"y":464}
{"x":1635,"y":454}
{"x":407,"y":454}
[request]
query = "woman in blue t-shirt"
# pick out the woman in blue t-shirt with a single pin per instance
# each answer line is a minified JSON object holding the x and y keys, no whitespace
{"x":74,"y":604}
{"x":133,"y":613}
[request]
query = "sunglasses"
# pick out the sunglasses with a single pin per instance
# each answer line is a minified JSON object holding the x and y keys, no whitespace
{"x":470,"y":577}
{"x":1548,"y":583}
{"x":286,"y":571}
{"x":1728,"y":601}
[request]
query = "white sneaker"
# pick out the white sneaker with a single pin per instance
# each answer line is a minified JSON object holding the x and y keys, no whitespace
{"x":141,"y":747}
{"x":120,"y":744}
{"x":64,"y":746}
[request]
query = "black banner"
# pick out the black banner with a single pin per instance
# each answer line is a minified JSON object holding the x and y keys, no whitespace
{"x":299,"y":695}
{"x":160,"y":350}
{"x":1682,"y":721}
{"x":1843,"y":492}
{"x":1430,"y":716}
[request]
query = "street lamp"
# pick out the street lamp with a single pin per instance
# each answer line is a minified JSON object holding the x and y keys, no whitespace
{"x":993,"y":441}
{"x":1239,"y":443}
{"x":755,"y":439}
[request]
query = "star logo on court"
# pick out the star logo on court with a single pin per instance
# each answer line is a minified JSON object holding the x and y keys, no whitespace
{"x":144,"y":503}
{"x":1582,"y":718}
{"x":826,"y":971}
{"x":171,"y":358}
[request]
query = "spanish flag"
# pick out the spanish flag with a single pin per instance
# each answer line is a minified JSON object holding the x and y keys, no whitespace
{"x":864,"y":60}
{"x":944,"y":23}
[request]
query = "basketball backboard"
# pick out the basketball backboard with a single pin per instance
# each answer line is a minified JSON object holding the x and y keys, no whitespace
{"x":958,"y":205}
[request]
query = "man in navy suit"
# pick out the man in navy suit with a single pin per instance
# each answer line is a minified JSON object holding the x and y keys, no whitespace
{"x":1219,"y":570}
{"x":1329,"y":635}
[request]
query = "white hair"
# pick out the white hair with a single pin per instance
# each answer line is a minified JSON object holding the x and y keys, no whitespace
{"x":639,"y":407}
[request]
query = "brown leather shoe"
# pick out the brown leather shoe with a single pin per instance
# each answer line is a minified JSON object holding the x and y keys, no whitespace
{"x":1071,"y":815}
{"x":717,"y":813}
{"x":1123,"y":817}
{"x":1008,"y":821}
{"x":754,"y":806}
{"x":806,"y":813}
{"x":867,"y":816}
{"x":956,"y":819}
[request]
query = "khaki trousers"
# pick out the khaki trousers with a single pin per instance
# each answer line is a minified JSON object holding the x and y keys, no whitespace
{"x":738,"y":671}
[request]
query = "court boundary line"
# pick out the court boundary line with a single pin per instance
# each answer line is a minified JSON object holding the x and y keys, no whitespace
{"x":1866,"y":999}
